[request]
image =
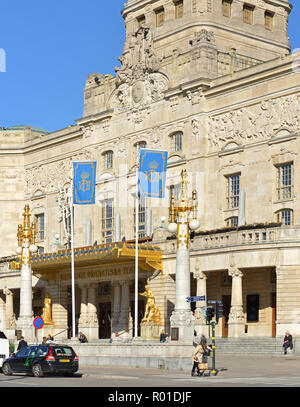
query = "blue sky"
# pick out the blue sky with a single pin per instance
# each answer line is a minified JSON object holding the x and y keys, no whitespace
{"x":50,"y":49}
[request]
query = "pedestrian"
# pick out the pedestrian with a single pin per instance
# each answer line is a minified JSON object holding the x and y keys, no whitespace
{"x":22,"y":343}
{"x":163,"y":337}
{"x":287,"y":342}
{"x":82,"y":338}
{"x":200,"y":355}
{"x":50,"y":339}
{"x":44,"y":341}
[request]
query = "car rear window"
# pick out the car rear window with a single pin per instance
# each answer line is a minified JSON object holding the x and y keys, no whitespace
{"x":42,"y":351}
{"x":63,"y":351}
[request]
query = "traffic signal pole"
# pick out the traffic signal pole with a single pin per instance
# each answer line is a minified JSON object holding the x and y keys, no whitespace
{"x":213,"y":326}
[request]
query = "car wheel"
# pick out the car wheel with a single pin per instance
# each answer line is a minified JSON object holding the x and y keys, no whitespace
{"x":6,"y":369}
{"x":37,"y":370}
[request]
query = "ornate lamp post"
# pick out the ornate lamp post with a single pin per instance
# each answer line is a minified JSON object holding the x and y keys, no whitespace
{"x":26,"y":246}
{"x":182,"y":317}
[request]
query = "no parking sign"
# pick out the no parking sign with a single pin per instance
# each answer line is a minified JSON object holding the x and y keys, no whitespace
{"x":38,"y":322}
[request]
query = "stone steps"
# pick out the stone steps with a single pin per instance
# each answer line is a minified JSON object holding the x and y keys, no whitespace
{"x":242,"y":346}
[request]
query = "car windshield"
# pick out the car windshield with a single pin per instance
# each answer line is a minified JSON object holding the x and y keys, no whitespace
{"x":63,"y":351}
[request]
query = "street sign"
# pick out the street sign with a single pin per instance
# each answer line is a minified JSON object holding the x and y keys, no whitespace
{"x":214,"y":302}
{"x":38,"y":322}
{"x":195,"y":299}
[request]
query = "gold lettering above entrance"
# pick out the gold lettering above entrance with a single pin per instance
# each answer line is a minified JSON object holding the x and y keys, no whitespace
{"x":96,"y":274}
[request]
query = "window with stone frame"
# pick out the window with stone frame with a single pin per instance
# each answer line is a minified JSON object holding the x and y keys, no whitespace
{"x":285,"y":181}
{"x":248,"y":12}
{"x":107,"y":221}
{"x":226,"y":8}
{"x":40,"y":226}
{"x":108,"y":158}
{"x":174,"y":191}
{"x":141,"y":20}
{"x":137,"y":149}
{"x":269,"y":20}
{"x":232,"y":221}
{"x":141,"y":217}
{"x":285,"y":216}
{"x":233,"y":191}
{"x":176,"y":142}
{"x":178,"y":8}
{"x":160,"y":17}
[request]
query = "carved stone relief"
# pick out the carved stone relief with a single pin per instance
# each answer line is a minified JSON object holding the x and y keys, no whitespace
{"x":261,"y":121}
{"x":138,"y":81}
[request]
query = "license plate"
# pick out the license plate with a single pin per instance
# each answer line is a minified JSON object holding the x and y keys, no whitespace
{"x":65,"y":360}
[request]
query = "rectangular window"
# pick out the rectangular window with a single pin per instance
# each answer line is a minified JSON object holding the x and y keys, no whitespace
{"x":248,"y":14}
{"x":269,"y":20}
{"x":233,"y":222}
{"x":178,"y":9}
{"x":40,"y":226}
{"x":108,"y":160}
{"x":284,"y":181}
{"x":107,"y":221}
{"x":174,"y":191}
{"x":141,"y":217}
{"x":176,"y":141}
{"x":285,"y":217}
{"x":253,"y":308}
{"x":226,"y":8}
{"x":233,"y":191}
{"x":160,"y":17}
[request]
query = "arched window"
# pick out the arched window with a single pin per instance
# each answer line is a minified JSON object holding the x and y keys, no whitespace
{"x":176,"y":142}
{"x":285,"y":216}
{"x":108,"y":160}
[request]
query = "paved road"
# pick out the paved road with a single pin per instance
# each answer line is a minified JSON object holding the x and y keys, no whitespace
{"x":234,"y":371}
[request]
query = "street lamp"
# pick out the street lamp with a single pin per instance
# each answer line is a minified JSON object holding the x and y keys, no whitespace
{"x":182,"y":319}
{"x":26,"y":247}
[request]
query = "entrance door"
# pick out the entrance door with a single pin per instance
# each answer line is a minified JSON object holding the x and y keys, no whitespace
{"x":104,"y":320}
{"x":226,"y":299}
{"x":273,"y":305}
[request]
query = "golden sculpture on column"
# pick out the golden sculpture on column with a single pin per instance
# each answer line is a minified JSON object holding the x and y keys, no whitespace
{"x":152,"y":313}
{"x":47,"y":315}
{"x":151,"y":326}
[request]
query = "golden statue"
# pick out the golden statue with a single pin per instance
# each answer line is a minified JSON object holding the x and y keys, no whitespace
{"x":152,"y":313}
{"x":47,"y":311}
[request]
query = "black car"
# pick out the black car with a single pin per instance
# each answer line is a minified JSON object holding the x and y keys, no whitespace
{"x":42,"y":359}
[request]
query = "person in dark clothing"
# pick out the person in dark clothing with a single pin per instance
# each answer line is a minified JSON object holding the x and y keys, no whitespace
{"x":287,"y":342}
{"x":82,"y":337}
{"x":163,"y":337}
{"x":22,"y":343}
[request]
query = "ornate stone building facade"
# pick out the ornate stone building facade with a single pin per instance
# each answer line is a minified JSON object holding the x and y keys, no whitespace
{"x":214,"y":83}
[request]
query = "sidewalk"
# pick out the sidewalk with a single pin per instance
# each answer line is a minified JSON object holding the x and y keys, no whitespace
{"x":228,"y":366}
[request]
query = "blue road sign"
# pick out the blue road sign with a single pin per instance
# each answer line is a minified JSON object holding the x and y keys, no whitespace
{"x":214,"y":302}
{"x":195,"y":299}
{"x":38,"y":322}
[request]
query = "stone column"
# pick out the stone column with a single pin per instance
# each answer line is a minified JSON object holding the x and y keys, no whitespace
{"x":116,"y":307}
{"x":93,"y":323}
{"x":200,"y":320}
{"x":125,"y":310}
{"x":2,"y":312}
{"x":83,"y":319}
{"x":59,"y":309}
{"x":236,"y":322}
{"x":25,"y":320}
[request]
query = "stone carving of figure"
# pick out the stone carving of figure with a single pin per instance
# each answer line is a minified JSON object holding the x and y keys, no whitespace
{"x":152,"y":313}
{"x":47,"y":315}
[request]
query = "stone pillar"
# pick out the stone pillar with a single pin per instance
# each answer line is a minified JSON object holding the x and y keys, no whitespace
{"x":2,"y":312}
{"x":9,"y":305}
{"x":125,"y":310}
{"x":116,"y":307}
{"x":25,"y":320}
{"x":200,"y":321}
{"x":93,"y":323}
{"x":83,"y":318}
{"x":236,"y":322}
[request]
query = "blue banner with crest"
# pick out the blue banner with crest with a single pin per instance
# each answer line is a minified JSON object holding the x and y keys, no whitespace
{"x":84,"y":181}
{"x":152,"y":173}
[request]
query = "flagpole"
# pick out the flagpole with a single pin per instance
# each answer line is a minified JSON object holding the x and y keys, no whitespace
{"x":72,"y":257}
{"x":136,"y":248}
